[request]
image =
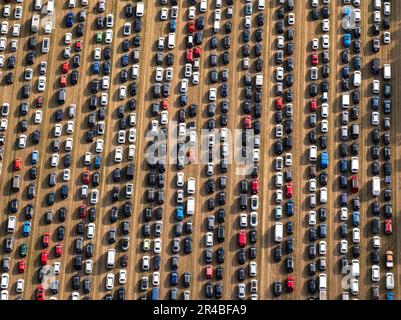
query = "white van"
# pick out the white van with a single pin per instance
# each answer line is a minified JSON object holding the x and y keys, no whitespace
{"x":191,"y":186}
{"x":111,"y":257}
{"x":278,"y":232}
{"x":38,"y":4}
{"x":216,"y":26}
{"x":386,"y":71}
{"x":11,"y":224}
{"x":259,"y":80}
{"x":375,"y":186}
{"x":171,"y":41}
{"x":140,"y":9}
{"x":135,"y":71}
{"x":261,"y":4}
{"x":355,"y":268}
{"x":377,"y":4}
{"x":345,"y":100}
{"x":354,"y":164}
{"x":312,"y":153}
{"x":35,"y":23}
{"x":323,"y":195}
{"x":322,"y":281}
{"x":191,"y":206}
{"x":50,"y":7}
{"x":357,"y":78}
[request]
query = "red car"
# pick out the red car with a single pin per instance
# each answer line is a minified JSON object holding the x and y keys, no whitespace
{"x":63,"y":81}
{"x":190,"y":55}
{"x":65,"y":67}
{"x":255,"y":186}
{"x":289,"y":189}
{"x":40,"y":293}
{"x":165,"y":104}
{"x":315,"y":58}
{"x":82,"y":211}
{"x":85,"y":177}
{"x":43,"y":257}
{"x":242,"y":239}
{"x":45,"y":240}
{"x":191,"y":26}
{"x":279,"y":103}
{"x":197,"y":52}
{"x":191,"y":155}
{"x":78,"y":45}
{"x":58,"y":250}
{"x":21,"y":266}
{"x":17,"y":163}
{"x":39,"y":102}
{"x":247,"y":122}
{"x":388,"y":226}
{"x":354,"y":184}
{"x":209,"y":272}
{"x":290,"y":283}
{"x":313,"y":105}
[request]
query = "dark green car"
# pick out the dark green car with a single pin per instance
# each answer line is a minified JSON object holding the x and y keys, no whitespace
{"x":23,"y":250}
{"x":387,"y":90}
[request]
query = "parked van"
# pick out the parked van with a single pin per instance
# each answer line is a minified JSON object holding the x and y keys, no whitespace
{"x":135,"y":71}
{"x":345,"y":100}
{"x":50,"y":7}
{"x":191,"y":206}
{"x":386,"y":71}
{"x":45,"y":45}
{"x":111,"y":257}
{"x":355,"y":130}
{"x":355,"y":268}
{"x":35,"y":23}
{"x":322,"y":281}
{"x":312,"y":153}
{"x":140,"y":9}
{"x":375,"y":186}
{"x":354,"y":164}
{"x":216,"y":26}
{"x":259,"y":80}
{"x":377,"y":4}
{"x":11,"y":224}
{"x":278,"y":232}
{"x":191,"y":186}
{"x":357,"y":79}
{"x":171,"y":41}
{"x":16,"y":183}
{"x":155,"y":294}
{"x":38,"y":4}
{"x":261,"y":4}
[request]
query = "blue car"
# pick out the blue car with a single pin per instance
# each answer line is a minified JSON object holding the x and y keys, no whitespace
{"x":95,"y":68}
{"x":355,"y":218}
{"x":26,"y":228}
{"x":375,"y":103}
{"x":179,"y":213}
{"x":69,"y":19}
{"x":98,"y":162}
{"x":290,"y":207}
{"x":174,"y":278}
{"x":323,"y":230}
{"x":347,"y":40}
{"x":173,"y":25}
{"x":344,"y":199}
{"x":183,"y":100}
{"x":390,"y":295}
{"x":124,"y":60}
{"x":347,"y":11}
{"x":324,"y":160}
{"x":343,"y":165}
{"x":35,"y":157}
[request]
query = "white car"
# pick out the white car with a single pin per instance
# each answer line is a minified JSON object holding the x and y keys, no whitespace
{"x":41,"y":83}
{"x":104,"y":98}
{"x":16,"y":30}
{"x":325,"y":25}
{"x":121,"y":136}
{"x":109,"y":21}
{"x":322,"y":247}
{"x":356,"y":235}
{"x":343,"y":214}
{"x":279,"y":131}
{"x":291,"y":19}
{"x":174,"y":12}
{"x":122,"y":276}
{"x":164,"y":14}
{"x":192,"y":13}
{"x":105,"y":82}
{"x":132,"y":135}
{"x":376,"y":16}
{"x":254,"y":202}
{"x":241,"y":291}
{"x":3,"y":124}
{"x":343,"y":246}
{"x":325,"y":41}
{"x":279,"y":164}
{"x":180,"y":179}
{"x":99,"y":145}
{"x":386,"y":37}
{"x":84,"y":191}
{"x":97,"y":54}
{"x":68,"y":38}
{"x":127,"y":29}
{"x":314,"y":74}
{"x":5,"y":278}
{"x":375,"y":273}
{"x":280,"y":42}
{"x":252,"y":269}
{"x":75,"y":295}
{"x":243,"y":220}
{"x":54,"y":160}
{"x":71,"y":3}
{"x":279,"y":196}
{"x":288,"y":159}
{"x":312,"y":185}
{"x":156,"y":278}
{"x":22,"y":141}
{"x":312,"y":218}
{"x":70,"y":127}
{"x":90,"y":232}
{"x":118,"y":155}
{"x":157,"y":245}
{"x":248,"y":22}
{"x":376,"y":242}
{"x":187,"y":70}
{"x":122,"y":92}
{"x":354,"y":286}
{"x":48,"y":27}
{"x":66,"y":174}
{"x":3,"y":43}
{"x":375,"y":118}
{"x":315,"y":44}
{"x":4,"y":295}
{"x":131,"y":152}
{"x":109,"y":36}
{"x":2,"y":61}
{"x":389,"y":281}
{"x":212,"y":94}
{"x":88,"y":266}
{"x":376,"y":86}
{"x":279,"y":73}
{"x":357,"y":15}
{"x":145,"y":263}
{"x":87,"y":158}
{"x":387,"y":8}
{"x":38,"y":119}
{"x":18,"y":12}
{"x":279,"y":180}
{"x":184,"y":86}
{"x":19,"y":288}
{"x":253,"y":219}
{"x":6,"y":11}
{"x":109,"y":281}
{"x":324,"y":126}
{"x":159,"y":74}
{"x":4,"y":27}
{"x":67,"y":52}
{"x":169,"y":73}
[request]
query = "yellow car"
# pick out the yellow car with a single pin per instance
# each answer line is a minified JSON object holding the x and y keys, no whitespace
{"x":146,"y":245}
